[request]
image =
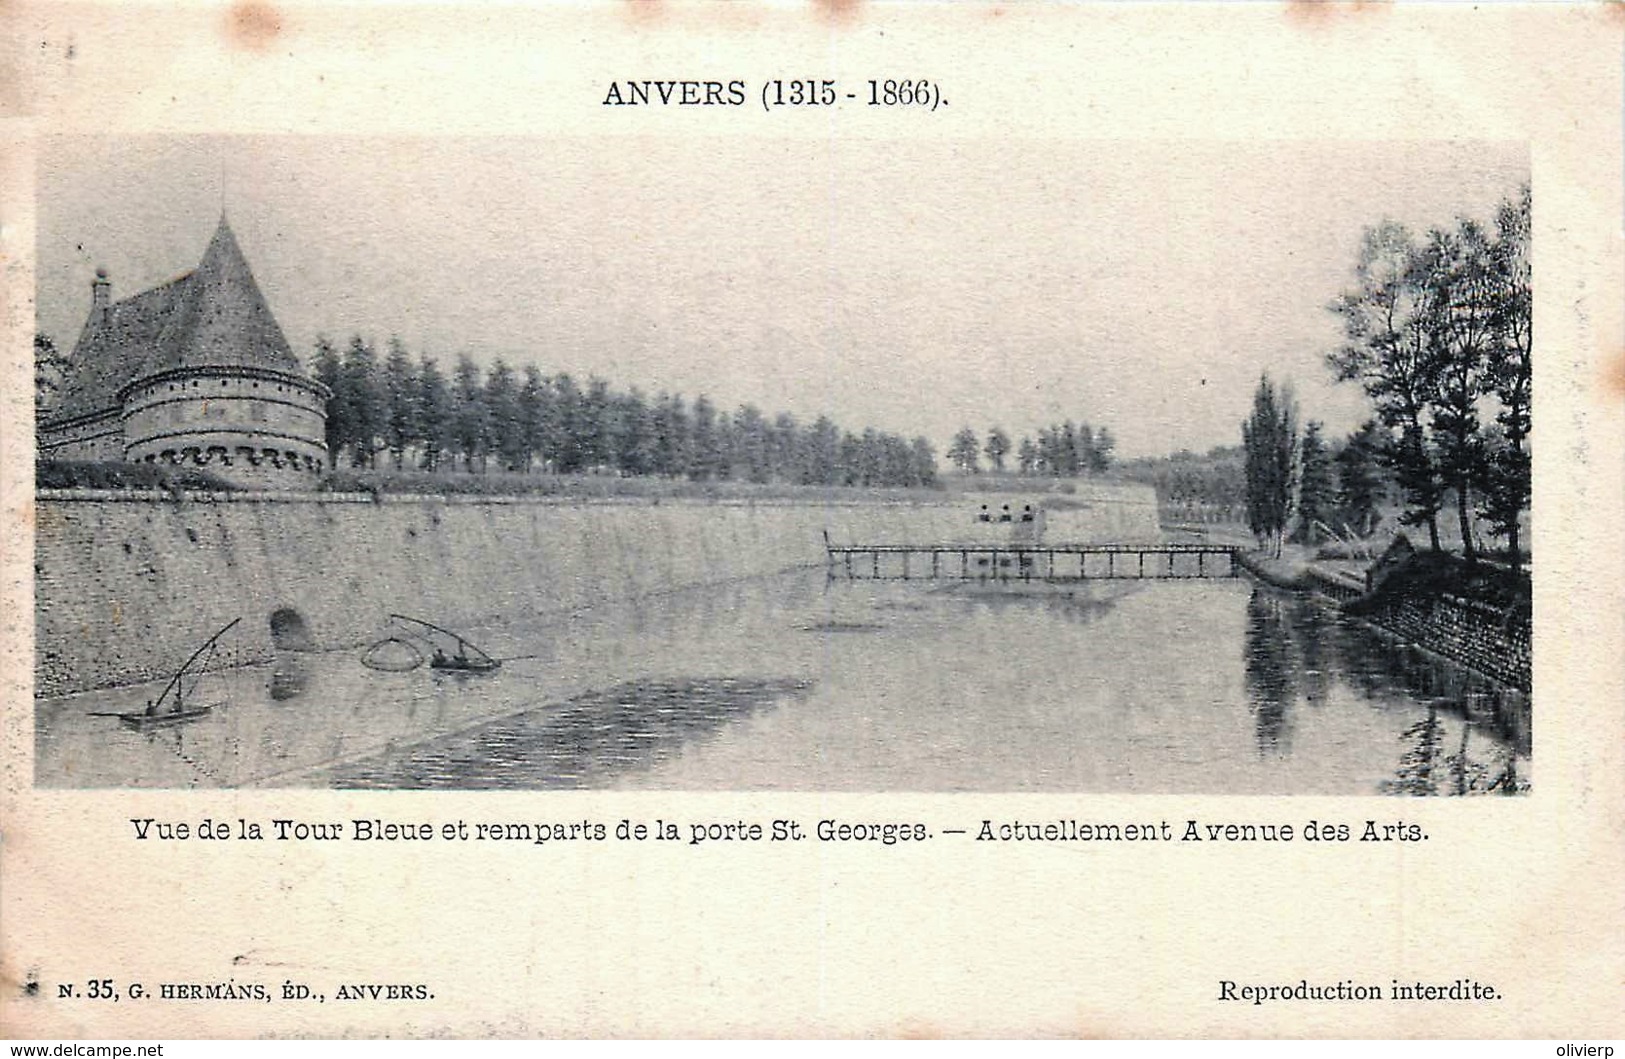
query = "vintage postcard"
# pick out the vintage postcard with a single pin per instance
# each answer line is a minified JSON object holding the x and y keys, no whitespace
{"x":675,"y":519}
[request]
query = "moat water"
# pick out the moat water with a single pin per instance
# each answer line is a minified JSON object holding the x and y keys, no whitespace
{"x":795,"y":682}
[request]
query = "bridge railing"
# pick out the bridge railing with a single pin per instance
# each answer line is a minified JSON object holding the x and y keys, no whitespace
{"x":1031,"y":562}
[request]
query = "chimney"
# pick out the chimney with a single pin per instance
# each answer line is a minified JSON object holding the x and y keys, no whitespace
{"x":100,"y":299}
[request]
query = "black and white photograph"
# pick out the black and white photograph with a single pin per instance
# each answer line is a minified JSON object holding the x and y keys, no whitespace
{"x":705,"y":464}
{"x":650,"y":519}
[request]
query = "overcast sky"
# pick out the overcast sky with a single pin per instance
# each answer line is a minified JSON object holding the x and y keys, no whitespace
{"x":913,"y":285}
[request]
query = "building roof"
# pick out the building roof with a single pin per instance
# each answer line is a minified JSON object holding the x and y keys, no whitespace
{"x":213,"y":316}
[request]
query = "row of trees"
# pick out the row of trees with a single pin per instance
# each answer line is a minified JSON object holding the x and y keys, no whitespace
{"x":1439,"y":335}
{"x":1064,"y":450}
{"x":412,"y":413}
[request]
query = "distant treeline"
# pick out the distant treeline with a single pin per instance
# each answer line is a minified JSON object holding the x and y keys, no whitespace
{"x":1193,"y":486}
{"x":415,"y":416}
{"x":1063,"y":450}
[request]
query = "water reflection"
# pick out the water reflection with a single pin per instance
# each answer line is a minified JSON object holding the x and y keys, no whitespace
{"x":1296,"y":647}
{"x":793,"y":683}
{"x":584,"y":742}
{"x":1425,"y":770}
{"x":289,"y":676}
{"x":1272,"y":662}
{"x":1071,"y":603}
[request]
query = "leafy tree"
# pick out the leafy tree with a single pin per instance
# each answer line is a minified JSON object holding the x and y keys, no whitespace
{"x":1269,"y":439}
{"x":1507,"y":471}
{"x":751,"y":443}
{"x":1317,"y":493}
{"x":471,"y":427}
{"x":1066,"y":450}
{"x":727,"y":448}
{"x":328,"y":369}
{"x":597,"y":426}
{"x":566,"y":450}
{"x":871,"y":461}
{"x":997,"y":447}
{"x":1084,"y":446}
{"x":786,"y":449}
{"x":963,"y":451}
{"x":365,"y":404}
{"x":634,"y":445}
{"x":401,"y":427}
{"x":1359,"y":480}
{"x":1389,"y":349}
{"x":50,"y":371}
{"x":434,"y":408}
{"x":923,"y":462}
{"x":1047,"y":463}
{"x":849,"y":467}
{"x":673,"y":443}
{"x":535,"y":410}
{"x":505,"y":429}
{"x":1027,"y":456}
{"x":535,"y":413}
{"x":824,"y":452}
{"x":1461,"y":312}
{"x":707,"y":460}
{"x":1100,"y":456}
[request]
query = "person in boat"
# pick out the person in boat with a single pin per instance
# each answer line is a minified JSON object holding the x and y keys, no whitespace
{"x":983,"y":515}
{"x":152,"y":708}
{"x":439,"y":657}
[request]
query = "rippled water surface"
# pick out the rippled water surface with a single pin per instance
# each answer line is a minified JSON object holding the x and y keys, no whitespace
{"x":792,"y":682}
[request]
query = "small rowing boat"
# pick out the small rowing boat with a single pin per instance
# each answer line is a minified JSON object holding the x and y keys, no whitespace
{"x":172,"y":706}
{"x":467,"y":657}
{"x":159,"y":720}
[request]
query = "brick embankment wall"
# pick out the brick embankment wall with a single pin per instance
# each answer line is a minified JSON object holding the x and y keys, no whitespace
{"x":1468,"y":632}
{"x":127,"y":585}
{"x":1465,"y":631}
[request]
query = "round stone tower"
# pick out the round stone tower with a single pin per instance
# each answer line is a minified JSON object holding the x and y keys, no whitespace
{"x":212,"y":382}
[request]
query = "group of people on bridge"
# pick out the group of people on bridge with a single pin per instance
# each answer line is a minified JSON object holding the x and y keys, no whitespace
{"x":985,"y":515}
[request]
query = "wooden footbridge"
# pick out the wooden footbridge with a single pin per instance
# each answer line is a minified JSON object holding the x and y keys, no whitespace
{"x":1030,"y":562}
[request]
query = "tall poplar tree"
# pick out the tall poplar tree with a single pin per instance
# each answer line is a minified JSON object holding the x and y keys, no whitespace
{"x":1269,"y":443}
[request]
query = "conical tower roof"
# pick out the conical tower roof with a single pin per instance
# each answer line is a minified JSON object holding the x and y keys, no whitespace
{"x":221,"y":319}
{"x":213,"y":316}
